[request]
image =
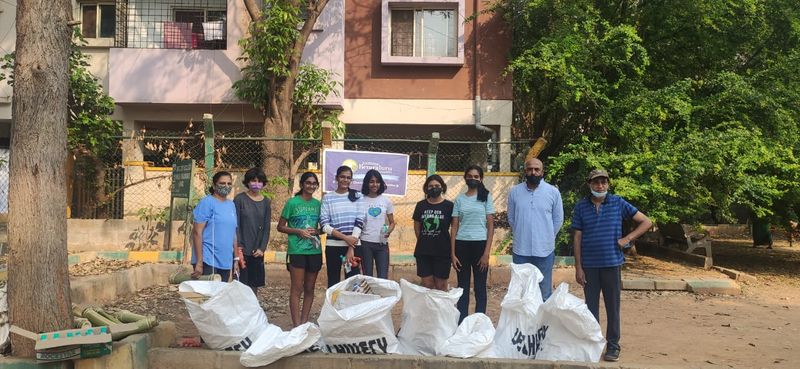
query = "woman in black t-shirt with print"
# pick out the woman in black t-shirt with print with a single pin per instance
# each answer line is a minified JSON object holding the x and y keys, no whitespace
{"x":432,"y":219}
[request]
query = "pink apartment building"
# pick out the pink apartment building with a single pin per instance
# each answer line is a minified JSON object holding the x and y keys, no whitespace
{"x":407,"y":68}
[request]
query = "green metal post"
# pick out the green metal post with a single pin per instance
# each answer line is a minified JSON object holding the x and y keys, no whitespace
{"x":208,"y":123}
{"x":433,"y":149}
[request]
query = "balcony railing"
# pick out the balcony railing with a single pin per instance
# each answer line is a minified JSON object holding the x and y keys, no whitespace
{"x":171,"y":24}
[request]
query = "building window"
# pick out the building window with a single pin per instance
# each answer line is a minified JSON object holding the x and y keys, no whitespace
{"x":98,"y":20}
{"x":195,"y":29}
{"x":184,"y":24}
{"x":422,"y":32}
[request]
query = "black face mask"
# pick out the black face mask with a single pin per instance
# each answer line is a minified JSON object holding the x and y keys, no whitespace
{"x":473,"y":183}
{"x":434,"y":192}
{"x":533,"y":180}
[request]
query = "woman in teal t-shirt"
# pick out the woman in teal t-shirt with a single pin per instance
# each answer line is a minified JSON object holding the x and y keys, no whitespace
{"x":300,"y":220}
{"x":473,"y":228}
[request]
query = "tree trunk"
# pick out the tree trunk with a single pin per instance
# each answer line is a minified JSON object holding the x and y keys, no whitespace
{"x":278,"y":154}
{"x":38,"y":279}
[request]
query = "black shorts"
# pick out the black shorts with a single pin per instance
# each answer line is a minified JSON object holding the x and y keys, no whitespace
{"x":437,"y":266}
{"x":311,"y":263}
{"x":253,"y":274}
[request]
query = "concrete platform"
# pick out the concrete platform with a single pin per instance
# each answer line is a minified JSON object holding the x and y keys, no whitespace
{"x":161,"y":358}
{"x":100,"y":289}
{"x":716,"y":286}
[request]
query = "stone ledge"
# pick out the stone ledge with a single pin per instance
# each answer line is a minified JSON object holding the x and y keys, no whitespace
{"x":737,"y":275}
{"x":638,"y":284}
{"x":99,"y":289}
{"x":162,"y":358}
{"x":716,"y":286}
{"x":270,"y":257}
{"x":132,"y":351}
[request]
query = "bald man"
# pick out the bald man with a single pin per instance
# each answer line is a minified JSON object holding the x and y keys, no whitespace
{"x":536,"y":213}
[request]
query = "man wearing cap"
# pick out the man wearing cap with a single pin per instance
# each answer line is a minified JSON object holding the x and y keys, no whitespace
{"x":597,"y":221}
{"x":535,"y":213}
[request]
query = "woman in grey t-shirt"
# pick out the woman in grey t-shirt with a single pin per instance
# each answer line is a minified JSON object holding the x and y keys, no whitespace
{"x":253,"y":212}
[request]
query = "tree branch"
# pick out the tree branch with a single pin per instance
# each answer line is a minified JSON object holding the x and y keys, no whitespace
{"x":252,"y":9}
{"x":296,"y":165}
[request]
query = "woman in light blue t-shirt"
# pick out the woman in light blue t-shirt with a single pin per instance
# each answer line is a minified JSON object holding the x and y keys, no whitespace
{"x":473,"y":226}
{"x":214,"y":231}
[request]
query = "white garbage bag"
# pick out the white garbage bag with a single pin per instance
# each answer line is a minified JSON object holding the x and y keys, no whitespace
{"x":570,"y":332}
{"x":274,"y":344}
{"x":429,"y":318}
{"x":518,"y":333}
{"x":473,"y":338}
{"x":230,"y":318}
{"x":353,"y":323}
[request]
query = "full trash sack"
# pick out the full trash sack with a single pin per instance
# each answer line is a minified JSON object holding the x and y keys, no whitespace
{"x":356,"y":317}
{"x":473,"y":338}
{"x":562,"y":328}
{"x":274,"y":344}
{"x":518,"y":329}
{"x":429,"y":318}
{"x":228,"y":316}
{"x":571,"y":332}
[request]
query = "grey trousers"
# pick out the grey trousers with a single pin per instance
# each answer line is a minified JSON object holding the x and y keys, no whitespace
{"x":609,"y":282}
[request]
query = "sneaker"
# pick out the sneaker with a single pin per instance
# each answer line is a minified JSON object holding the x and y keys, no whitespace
{"x":612,"y":354}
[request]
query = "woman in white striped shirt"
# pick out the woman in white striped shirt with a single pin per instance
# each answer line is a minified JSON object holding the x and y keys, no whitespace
{"x":342,"y":219}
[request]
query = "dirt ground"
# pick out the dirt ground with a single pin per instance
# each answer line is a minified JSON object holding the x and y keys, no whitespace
{"x":758,"y":329}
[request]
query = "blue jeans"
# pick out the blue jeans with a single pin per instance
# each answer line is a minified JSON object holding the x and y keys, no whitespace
{"x":545,"y":265}
{"x":377,"y":253}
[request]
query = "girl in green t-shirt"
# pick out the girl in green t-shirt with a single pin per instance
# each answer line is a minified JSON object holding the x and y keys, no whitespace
{"x":300,"y":220}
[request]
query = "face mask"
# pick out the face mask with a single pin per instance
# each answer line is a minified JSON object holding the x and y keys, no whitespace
{"x":434,"y":192}
{"x":599,"y":194}
{"x":473,"y":183}
{"x":222,"y":190}
{"x":255,"y":186}
{"x":534,"y":180}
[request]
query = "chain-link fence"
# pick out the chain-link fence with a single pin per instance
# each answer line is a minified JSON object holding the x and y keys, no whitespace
{"x":139,"y":186}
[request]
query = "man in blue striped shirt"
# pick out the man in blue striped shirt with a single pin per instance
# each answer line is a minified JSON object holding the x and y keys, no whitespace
{"x":535,"y":213}
{"x":597,"y":221}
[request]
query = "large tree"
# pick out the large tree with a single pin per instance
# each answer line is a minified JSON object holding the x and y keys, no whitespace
{"x":273,"y":51}
{"x":38,"y":279}
{"x":691,"y":104}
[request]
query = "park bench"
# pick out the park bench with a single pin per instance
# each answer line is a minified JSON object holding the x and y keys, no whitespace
{"x":693,"y":237}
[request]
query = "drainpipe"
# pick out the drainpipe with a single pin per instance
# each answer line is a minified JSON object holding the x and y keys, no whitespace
{"x":476,"y":104}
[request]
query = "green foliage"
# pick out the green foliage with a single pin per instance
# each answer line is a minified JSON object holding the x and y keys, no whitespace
{"x":267,"y":53}
{"x":90,"y":127}
{"x":314,"y":84}
{"x":272,"y":183}
{"x":690,"y":105}
{"x":146,"y":235}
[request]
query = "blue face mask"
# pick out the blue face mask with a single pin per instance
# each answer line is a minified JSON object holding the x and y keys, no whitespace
{"x":599,"y":194}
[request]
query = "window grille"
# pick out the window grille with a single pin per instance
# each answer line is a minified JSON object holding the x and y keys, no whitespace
{"x":171,"y":24}
{"x":424,"y":32}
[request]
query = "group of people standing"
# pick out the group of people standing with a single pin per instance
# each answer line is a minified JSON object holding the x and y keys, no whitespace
{"x":457,"y":234}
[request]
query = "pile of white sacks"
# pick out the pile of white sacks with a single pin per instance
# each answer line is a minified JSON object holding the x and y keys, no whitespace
{"x":356,"y":318}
